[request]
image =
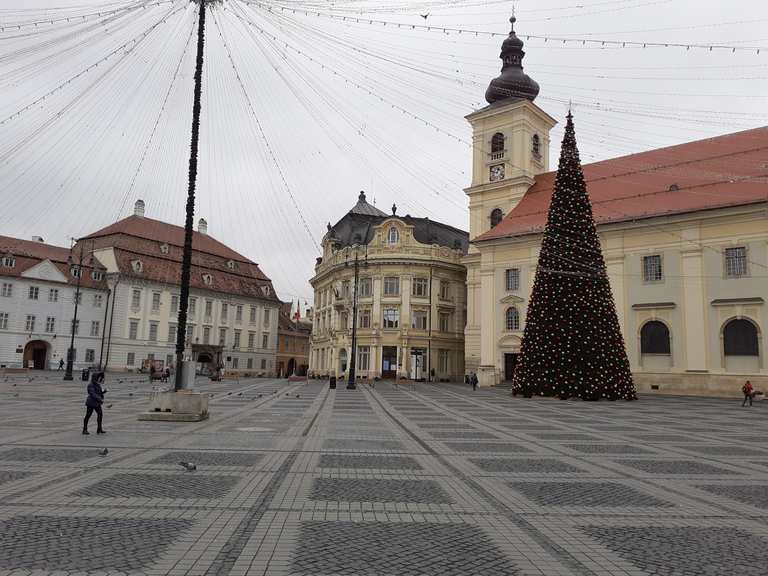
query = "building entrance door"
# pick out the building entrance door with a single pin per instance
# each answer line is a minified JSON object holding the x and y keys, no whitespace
{"x":36,"y":355}
{"x":388,"y":362}
{"x":417,"y":363}
{"x":510,"y":363}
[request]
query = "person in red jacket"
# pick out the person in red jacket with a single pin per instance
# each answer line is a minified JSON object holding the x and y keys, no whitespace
{"x":748,"y":390}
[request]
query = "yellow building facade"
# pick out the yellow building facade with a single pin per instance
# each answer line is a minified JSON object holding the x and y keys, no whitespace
{"x":684,"y":232}
{"x":411,"y":297}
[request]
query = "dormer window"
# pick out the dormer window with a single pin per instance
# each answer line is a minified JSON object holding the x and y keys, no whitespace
{"x":97,"y":275}
{"x":266,"y":290}
{"x":164,"y":248}
{"x":9,"y":261}
{"x":536,"y":146}
{"x":497,"y":146}
{"x":207,"y":279}
{"x":75,"y":271}
{"x":137,"y":266}
{"x":231,"y":264}
{"x":496,"y":216}
{"x":393,"y":236}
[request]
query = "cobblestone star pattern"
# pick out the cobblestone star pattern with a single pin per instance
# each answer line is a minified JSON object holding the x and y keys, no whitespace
{"x":418,"y":549}
{"x":85,"y":543}
{"x":686,"y":551}
{"x":585,"y":494}
{"x":378,"y":490}
{"x":182,"y":485}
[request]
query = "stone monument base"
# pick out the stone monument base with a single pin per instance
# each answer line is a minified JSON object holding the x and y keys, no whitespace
{"x":176,"y":406}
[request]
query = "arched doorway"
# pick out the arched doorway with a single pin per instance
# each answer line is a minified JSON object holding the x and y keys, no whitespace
{"x":342,"y":361}
{"x":36,"y":355}
{"x":291,"y":367}
{"x":741,"y":346}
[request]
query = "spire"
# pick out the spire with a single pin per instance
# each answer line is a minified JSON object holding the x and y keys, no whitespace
{"x":512,"y":82}
{"x":362,"y":207}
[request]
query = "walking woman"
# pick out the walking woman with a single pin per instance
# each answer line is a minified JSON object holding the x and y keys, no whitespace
{"x":94,"y":401}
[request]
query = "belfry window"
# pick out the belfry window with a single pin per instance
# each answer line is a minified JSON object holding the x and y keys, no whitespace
{"x":497,"y":146}
{"x":496,"y":216}
{"x":536,"y":146}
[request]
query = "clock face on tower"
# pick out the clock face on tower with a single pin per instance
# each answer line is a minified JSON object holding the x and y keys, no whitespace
{"x":497,"y":172}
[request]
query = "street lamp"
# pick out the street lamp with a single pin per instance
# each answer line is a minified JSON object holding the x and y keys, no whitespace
{"x":79,"y":276}
{"x":351,"y":385}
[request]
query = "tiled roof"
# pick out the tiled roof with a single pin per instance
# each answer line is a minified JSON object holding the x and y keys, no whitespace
{"x":29,"y":254}
{"x":725,"y":171}
{"x":162,"y":232}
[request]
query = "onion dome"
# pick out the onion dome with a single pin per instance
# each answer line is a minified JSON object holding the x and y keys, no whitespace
{"x":512,"y":82}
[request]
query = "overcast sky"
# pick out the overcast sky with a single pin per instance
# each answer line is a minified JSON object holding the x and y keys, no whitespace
{"x":316,"y":108}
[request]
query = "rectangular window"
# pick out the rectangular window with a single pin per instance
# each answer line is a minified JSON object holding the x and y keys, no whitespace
{"x":445,"y":290}
{"x":97,"y":300}
{"x":444,"y":361}
{"x":90,"y":356}
{"x":253,"y":315}
{"x":50,"y":324}
{"x":7,"y":290}
{"x":265,"y":340}
{"x":3,"y":320}
{"x":250,"y":364}
{"x":172,"y":328}
{"x":224,"y":312}
{"x":239,"y":314}
{"x":34,"y":292}
{"x":363,"y":357}
{"x":206,"y":334}
{"x":419,"y":320}
{"x":153,"y":331}
{"x":364,"y":288}
{"x":174,"y":304}
{"x":267,"y":315}
{"x":736,"y":262}
{"x":235,"y":362}
{"x":364,"y":320}
{"x":251,"y":340}
{"x":133,"y":330}
{"x":75,"y":327}
{"x":420,"y":287}
{"x":222,"y":336}
{"x":53,"y":295}
{"x":391,"y":318}
{"x":236,"y":343}
{"x":263,"y":364}
{"x":131,"y":359}
{"x":512,"y":279}
{"x":30,"y":325}
{"x":209,"y":308}
{"x":445,"y":322}
{"x":391,"y":286}
{"x":95,"y":327}
{"x":652,"y":270}
{"x":345,"y":289}
{"x":155,"y":301}
{"x":192,"y":306}
{"x":135,"y":299}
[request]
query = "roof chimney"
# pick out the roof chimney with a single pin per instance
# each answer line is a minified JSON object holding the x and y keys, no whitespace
{"x":202,"y":226}
{"x":138,"y":208}
{"x":38,"y":239}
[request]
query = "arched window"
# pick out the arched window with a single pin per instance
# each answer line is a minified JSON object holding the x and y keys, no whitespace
{"x":393,"y":236}
{"x":536,"y":145}
{"x":740,"y":338}
{"x":497,"y":143}
{"x":512,"y":319}
{"x":654,"y":338}
{"x":496,"y":216}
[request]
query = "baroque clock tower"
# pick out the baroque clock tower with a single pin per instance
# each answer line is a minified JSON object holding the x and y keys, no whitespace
{"x":510,"y":140}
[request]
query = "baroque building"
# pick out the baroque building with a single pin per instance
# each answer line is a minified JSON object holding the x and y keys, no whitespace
{"x":684,"y":231}
{"x":293,"y":335}
{"x":411,"y":297}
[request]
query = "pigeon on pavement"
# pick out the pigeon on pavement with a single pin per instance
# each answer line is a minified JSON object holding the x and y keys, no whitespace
{"x":103,"y":452}
{"x":188,"y":466}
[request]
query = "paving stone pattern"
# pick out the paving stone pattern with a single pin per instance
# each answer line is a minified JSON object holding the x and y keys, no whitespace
{"x":344,"y":444}
{"x":85,"y":543}
{"x":585,"y":494}
{"x":378,"y":490}
{"x":524,"y":465}
{"x":686,"y":551}
{"x":368,"y":462}
{"x":12,"y":475}
{"x":487,"y":447}
{"x":221,"y":458}
{"x":421,"y":549}
{"x":181,"y":485}
{"x":674,"y":467}
{"x":48,"y":454}
{"x":754,"y":495}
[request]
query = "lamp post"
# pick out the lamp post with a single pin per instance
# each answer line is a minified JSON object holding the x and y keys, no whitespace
{"x":70,"y":360}
{"x":351,"y":384}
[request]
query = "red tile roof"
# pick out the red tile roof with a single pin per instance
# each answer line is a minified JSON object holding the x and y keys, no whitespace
{"x":29,"y":254}
{"x":162,"y":232}
{"x":729,"y":170}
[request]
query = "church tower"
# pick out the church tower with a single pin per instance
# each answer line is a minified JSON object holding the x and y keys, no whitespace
{"x":510,"y":147}
{"x":510,"y":141}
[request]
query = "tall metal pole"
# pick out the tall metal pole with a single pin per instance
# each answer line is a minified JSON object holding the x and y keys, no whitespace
{"x":104,"y":330}
{"x":70,"y":360}
{"x":186,"y":263}
{"x":353,"y":361}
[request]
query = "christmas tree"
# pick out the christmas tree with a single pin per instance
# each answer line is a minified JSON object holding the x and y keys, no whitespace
{"x":572,"y":345}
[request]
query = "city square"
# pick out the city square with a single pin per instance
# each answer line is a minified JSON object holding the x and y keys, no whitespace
{"x":295,"y":478}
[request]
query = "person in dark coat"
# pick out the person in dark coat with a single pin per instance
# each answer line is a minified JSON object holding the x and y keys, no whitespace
{"x":94,"y":401}
{"x":474,"y":381}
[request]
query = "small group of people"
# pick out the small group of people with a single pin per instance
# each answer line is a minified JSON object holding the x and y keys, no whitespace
{"x":471,"y":379}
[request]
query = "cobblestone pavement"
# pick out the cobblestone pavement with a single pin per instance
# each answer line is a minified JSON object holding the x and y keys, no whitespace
{"x":294,"y":479}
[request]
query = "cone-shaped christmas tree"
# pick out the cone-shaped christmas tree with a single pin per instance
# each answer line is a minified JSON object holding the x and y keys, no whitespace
{"x":572,"y":345}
